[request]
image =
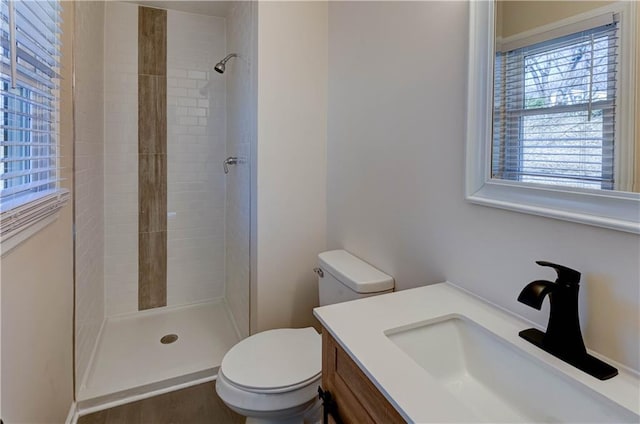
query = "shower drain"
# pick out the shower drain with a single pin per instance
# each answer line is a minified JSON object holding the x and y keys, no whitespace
{"x":169,"y":338}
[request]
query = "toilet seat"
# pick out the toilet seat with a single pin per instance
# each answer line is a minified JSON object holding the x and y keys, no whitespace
{"x":248,"y":403}
{"x":286,"y":389}
{"x":274,"y":361}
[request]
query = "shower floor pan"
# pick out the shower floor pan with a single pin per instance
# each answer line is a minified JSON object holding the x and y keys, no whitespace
{"x":131,"y":362}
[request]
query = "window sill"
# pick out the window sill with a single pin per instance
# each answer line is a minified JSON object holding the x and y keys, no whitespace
{"x":614,"y":210}
{"x":19,"y":223}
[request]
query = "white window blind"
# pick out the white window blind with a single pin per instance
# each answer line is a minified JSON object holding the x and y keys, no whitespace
{"x":555,"y":110}
{"x":29,"y":110}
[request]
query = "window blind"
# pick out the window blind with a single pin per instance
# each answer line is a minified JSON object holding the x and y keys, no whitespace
{"x":29,"y":98}
{"x":555,"y":110}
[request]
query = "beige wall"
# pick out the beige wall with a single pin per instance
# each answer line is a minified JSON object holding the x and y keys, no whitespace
{"x":291,"y":161}
{"x":515,"y":17}
{"x":37,"y":298}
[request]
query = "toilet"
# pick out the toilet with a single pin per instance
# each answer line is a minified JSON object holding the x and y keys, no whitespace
{"x":273,"y":376}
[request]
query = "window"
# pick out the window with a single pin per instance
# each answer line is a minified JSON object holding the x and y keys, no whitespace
{"x":555,"y":110}
{"x":29,"y":102}
{"x":616,"y":209}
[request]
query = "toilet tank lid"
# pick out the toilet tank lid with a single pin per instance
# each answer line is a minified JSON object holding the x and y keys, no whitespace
{"x":354,"y":273}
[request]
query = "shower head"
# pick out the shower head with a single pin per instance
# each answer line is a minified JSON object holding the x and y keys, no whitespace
{"x":220,"y":66}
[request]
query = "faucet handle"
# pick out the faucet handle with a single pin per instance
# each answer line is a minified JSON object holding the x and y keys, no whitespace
{"x":565,"y":275}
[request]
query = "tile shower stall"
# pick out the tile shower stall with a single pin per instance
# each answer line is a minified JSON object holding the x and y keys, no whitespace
{"x":162,"y":233}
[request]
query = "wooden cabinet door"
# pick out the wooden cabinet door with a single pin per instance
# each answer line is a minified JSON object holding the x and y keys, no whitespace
{"x":358,"y":400}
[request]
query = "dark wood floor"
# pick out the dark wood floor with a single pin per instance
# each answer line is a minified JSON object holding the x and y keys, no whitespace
{"x":197,"y":404}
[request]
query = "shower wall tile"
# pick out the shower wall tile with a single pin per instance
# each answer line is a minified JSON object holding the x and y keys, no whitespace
{"x":152,"y":158}
{"x":152,"y":41}
{"x":152,"y":127}
{"x":239,"y":105}
{"x":196,"y":135}
{"x":123,"y":296}
{"x":121,"y":158}
{"x":196,"y":146}
{"x":89,"y":182}
{"x":152,"y":265}
{"x":152,"y":191}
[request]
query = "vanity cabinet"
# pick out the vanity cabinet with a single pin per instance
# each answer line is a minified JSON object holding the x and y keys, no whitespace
{"x":358,"y":401}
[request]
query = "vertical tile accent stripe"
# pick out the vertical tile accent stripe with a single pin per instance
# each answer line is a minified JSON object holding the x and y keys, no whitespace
{"x":152,"y":41}
{"x":152,"y":158}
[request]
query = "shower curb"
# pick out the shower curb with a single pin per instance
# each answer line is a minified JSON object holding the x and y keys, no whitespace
{"x":89,"y":406}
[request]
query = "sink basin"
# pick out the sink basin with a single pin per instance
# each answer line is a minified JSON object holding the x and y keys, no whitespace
{"x":496,"y":380}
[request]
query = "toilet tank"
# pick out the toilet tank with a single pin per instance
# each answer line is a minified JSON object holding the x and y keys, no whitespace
{"x":344,"y":277}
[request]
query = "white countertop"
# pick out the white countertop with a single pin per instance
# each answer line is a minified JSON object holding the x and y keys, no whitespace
{"x":359,"y":327}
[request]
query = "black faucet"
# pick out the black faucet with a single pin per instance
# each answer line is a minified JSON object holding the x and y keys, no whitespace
{"x":563,"y":338}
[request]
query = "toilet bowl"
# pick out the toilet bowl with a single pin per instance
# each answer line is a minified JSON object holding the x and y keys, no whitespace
{"x":273,"y":376}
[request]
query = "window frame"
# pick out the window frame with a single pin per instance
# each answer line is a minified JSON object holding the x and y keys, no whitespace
{"x":22,"y":216}
{"x":604,"y":208}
